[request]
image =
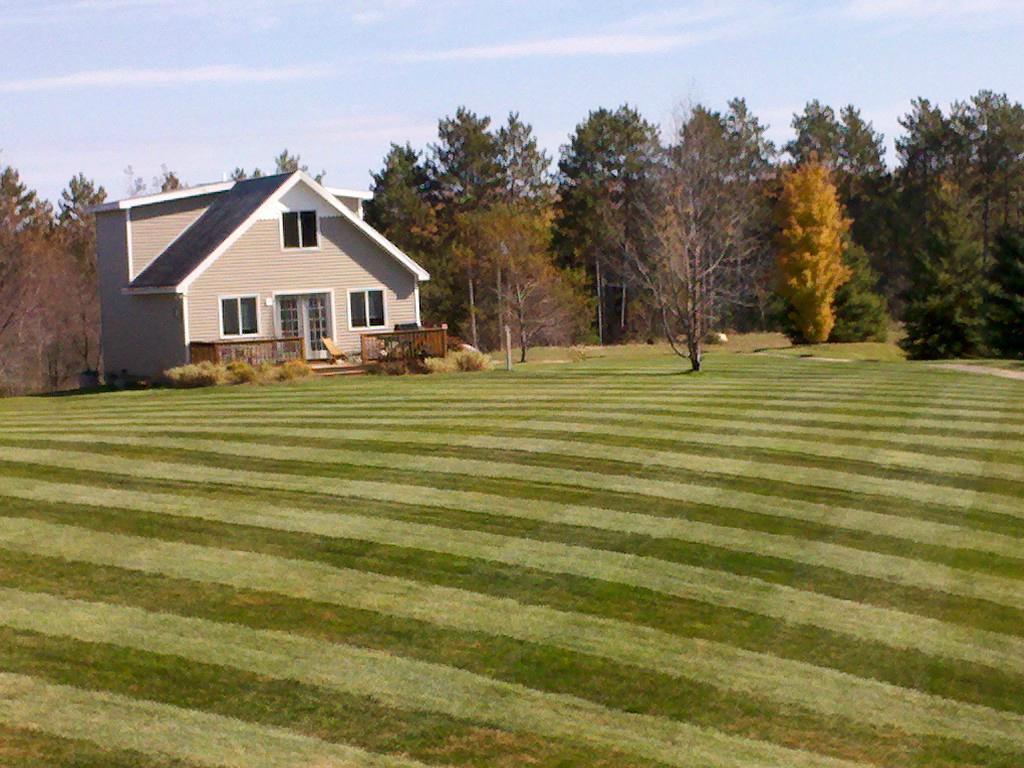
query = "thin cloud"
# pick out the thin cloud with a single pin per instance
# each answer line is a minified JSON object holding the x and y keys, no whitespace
{"x":127,"y":78}
{"x":872,"y":10}
{"x":646,"y":33}
{"x":582,"y":45}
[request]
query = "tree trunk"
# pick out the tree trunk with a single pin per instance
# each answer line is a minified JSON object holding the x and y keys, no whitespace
{"x":472,"y":313}
{"x":600,"y":301}
{"x":695,"y":346}
{"x":523,"y":337}
{"x":501,"y":306}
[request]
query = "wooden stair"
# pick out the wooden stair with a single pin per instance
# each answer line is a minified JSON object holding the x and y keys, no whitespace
{"x":336,"y":369}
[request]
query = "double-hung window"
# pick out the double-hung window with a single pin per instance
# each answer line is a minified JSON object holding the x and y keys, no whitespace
{"x":366,"y":308}
{"x":298,"y":229}
{"x":238,"y":316}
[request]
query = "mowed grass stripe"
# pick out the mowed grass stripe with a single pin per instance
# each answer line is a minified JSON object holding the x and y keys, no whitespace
{"x":852,"y":442}
{"x":787,"y":391}
{"x":658,"y":448}
{"x":399,"y":682}
{"x":852,"y":424}
{"x":161,"y":730}
{"x":769,"y":677}
{"x":464,"y":430}
{"x":900,"y":570}
{"x":945,"y":421}
{"x":856,"y":620}
{"x":912,"y":529}
{"x":953,"y":499}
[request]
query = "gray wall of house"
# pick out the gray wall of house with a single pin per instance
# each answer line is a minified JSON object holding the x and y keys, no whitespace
{"x":142,"y":335}
{"x":257,"y":264}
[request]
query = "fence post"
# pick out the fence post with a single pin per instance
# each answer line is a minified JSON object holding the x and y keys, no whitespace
{"x":508,"y":347}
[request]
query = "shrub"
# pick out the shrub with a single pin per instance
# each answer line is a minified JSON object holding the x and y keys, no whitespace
{"x":204,"y":374}
{"x":471,"y":360}
{"x":440,"y":364}
{"x":240,"y":372}
{"x":578,"y":354}
{"x":463,"y":360}
{"x":398,"y":367}
{"x":293,"y":369}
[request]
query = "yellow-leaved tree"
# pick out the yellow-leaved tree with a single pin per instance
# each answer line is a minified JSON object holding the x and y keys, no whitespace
{"x":812,"y":229}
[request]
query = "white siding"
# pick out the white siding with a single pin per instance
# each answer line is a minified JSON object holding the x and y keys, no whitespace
{"x":256,"y":263}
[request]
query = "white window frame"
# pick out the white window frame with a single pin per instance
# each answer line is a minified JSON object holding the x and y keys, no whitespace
{"x":301,"y":248}
{"x":239,"y":297}
{"x":305,"y":292}
{"x":366,"y":304}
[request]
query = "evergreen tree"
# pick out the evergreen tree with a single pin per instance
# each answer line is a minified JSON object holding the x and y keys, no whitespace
{"x":401,"y":210}
{"x":817,"y":135}
{"x":860,"y":310}
{"x":812,"y":229}
{"x":77,"y":234}
{"x":463,"y":176}
{"x":463,"y":166}
{"x":601,"y":173}
{"x":944,"y":309}
{"x":1005,"y":294}
{"x":525,"y":167}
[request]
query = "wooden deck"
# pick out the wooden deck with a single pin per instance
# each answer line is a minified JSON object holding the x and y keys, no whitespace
{"x":252,"y":351}
{"x":404,"y":345}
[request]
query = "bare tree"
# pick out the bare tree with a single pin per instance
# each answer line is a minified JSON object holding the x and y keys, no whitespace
{"x":699,"y":216}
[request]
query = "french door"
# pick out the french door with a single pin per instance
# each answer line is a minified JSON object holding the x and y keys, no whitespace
{"x":307,"y":315}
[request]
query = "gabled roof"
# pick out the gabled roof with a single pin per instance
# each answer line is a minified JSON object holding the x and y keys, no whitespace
{"x":232,"y":213}
{"x":226,"y":213}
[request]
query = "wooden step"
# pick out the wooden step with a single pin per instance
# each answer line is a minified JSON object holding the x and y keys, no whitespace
{"x":326,"y":369}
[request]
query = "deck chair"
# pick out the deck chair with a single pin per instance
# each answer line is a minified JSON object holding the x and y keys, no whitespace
{"x":332,"y":350}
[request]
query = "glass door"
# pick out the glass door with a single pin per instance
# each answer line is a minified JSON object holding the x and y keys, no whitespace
{"x":307,"y":316}
{"x":318,"y":323}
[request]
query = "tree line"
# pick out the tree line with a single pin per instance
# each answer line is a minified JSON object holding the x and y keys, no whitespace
{"x":638,"y":233}
{"x":634,"y":233}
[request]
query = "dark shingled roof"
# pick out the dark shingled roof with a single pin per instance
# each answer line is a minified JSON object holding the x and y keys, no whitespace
{"x":227,"y":213}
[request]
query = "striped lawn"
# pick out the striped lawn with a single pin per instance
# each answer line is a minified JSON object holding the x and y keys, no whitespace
{"x":714,"y":663}
{"x":868,"y":517}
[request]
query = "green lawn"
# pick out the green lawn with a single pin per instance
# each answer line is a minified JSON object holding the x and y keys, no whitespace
{"x":780,"y":562}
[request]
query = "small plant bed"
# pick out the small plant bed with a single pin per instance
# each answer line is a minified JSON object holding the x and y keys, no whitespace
{"x":207,"y":374}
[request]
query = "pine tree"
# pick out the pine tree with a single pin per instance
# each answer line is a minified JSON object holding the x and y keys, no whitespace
{"x":401,"y":210}
{"x":860,"y":311}
{"x":817,"y":135}
{"x":600,"y":173}
{"x":944,"y":308}
{"x":525,"y":167}
{"x":1005,"y":295}
{"x":810,"y":247}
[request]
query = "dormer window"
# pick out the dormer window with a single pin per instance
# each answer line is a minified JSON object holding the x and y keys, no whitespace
{"x":298,"y":229}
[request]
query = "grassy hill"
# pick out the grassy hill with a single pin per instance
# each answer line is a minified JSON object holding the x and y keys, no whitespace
{"x":780,"y":562}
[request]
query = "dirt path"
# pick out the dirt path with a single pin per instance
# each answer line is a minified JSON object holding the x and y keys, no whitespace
{"x":1001,"y":372}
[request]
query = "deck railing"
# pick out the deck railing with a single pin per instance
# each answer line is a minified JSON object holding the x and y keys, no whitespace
{"x":404,"y":345}
{"x":252,"y":351}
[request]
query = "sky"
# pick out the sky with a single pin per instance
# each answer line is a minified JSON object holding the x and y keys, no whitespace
{"x":95,"y":86}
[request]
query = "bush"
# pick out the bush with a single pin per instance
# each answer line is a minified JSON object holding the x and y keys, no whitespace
{"x":240,"y":372}
{"x":463,"y":360}
{"x":471,"y":360}
{"x":293,"y":369}
{"x":440,"y":364}
{"x":399,"y":367}
{"x":578,"y":354}
{"x":204,"y":374}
